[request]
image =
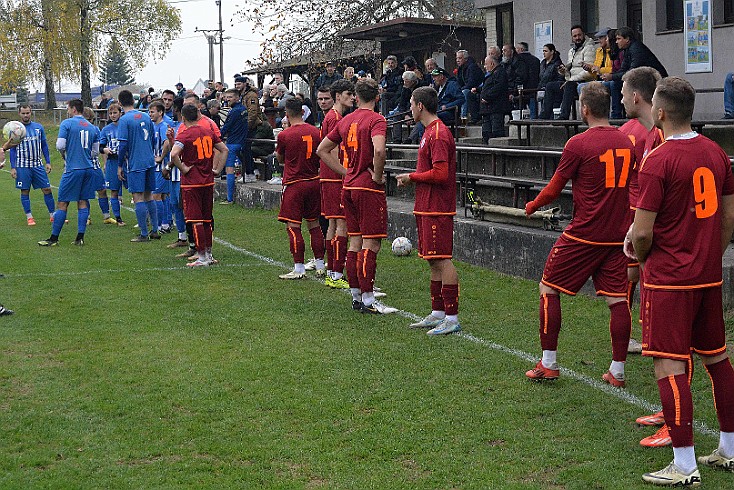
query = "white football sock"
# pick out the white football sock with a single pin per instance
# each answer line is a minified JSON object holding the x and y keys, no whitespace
{"x":685,"y":459}
{"x":438,"y":314}
{"x":726,"y":444}
{"x":299,"y":268}
{"x":617,"y":370}
{"x":549,"y":358}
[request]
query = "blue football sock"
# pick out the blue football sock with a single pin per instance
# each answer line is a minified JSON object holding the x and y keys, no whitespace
{"x":59,"y":218}
{"x":166,"y":220}
{"x":83,"y":215}
{"x":153,"y":215}
{"x":104,"y":205}
{"x":180,"y":220}
{"x":159,"y":210}
{"x":25,"y":200}
{"x":141,"y":212}
{"x":115,"y":203}
{"x":50,"y":203}
{"x":230,"y":187}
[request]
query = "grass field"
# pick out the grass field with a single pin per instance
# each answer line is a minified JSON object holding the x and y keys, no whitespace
{"x":123,"y":369}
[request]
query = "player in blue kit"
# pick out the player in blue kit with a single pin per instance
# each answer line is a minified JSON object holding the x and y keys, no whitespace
{"x":235,"y":130}
{"x":108,"y":145}
{"x":161,"y":149}
{"x":100,"y":187}
{"x":78,"y":143}
{"x":26,"y":166}
{"x":176,"y":202}
{"x":135,"y":136}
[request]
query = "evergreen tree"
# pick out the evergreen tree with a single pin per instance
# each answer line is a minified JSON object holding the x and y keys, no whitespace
{"x":115,"y":69}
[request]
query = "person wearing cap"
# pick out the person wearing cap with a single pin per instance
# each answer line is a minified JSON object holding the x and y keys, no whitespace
{"x":449,"y":94}
{"x":602,"y":62}
{"x":181,"y":90}
{"x":327,"y":77}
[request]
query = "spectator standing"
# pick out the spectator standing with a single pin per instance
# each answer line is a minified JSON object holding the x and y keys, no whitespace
{"x":582,"y":51}
{"x":410,"y":83}
{"x":349,"y":74}
{"x":515,"y":67}
{"x":214,"y":106}
{"x":469,"y":76}
{"x":180,"y":90}
{"x":327,"y":77}
{"x":390,"y":83}
{"x":104,"y":101}
{"x":729,"y":96}
{"x":532,"y":78}
{"x":549,"y":73}
{"x":494,"y":101}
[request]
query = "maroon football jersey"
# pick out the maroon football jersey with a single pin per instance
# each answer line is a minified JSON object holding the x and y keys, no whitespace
{"x":355,"y":131}
{"x":437,"y":146}
{"x":637,"y":133}
{"x":298,"y":146}
{"x":598,"y":162}
{"x":330,"y":120}
{"x":197,"y":143}
{"x":683,"y":181}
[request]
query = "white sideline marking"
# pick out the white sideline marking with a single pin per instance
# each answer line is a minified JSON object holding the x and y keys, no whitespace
{"x":623,"y":395}
{"x":114,"y":271}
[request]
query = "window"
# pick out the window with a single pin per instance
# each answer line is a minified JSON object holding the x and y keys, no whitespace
{"x":673,"y":15}
{"x":728,"y":11}
{"x":505,"y":32}
{"x":589,"y":15}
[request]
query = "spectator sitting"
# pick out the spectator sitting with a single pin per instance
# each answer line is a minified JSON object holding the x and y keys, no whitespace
{"x":469,"y":76}
{"x":410,"y":64}
{"x":582,"y":51}
{"x":430,"y":65}
{"x":262,"y":149}
{"x":729,"y":96}
{"x":494,"y":99}
{"x":390,"y":83}
{"x":636,"y":54}
{"x":603,"y":63}
{"x":410,"y":82}
{"x":213,"y":106}
{"x":449,"y":95}
{"x":549,"y":71}
{"x":349,"y":74}
{"x":532,"y":64}
{"x":282,"y":95}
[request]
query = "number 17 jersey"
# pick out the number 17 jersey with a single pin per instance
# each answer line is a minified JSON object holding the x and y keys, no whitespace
{"x":598,"y":163}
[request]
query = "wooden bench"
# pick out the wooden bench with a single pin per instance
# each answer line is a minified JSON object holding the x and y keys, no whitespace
{"x":520,"y":185}
{"x":9,"y":101}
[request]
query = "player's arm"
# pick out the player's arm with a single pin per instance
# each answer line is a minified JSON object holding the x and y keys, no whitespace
{"x":44,"y":150}
{"x":329,"y":157}
{"x":61,"y":146}
{"x":176,"y":159}
{"x":549,"y":194}
{"x":378,"y":158}
{"x":220,"y":157}
{"x":642,"y":233}
{"x":727,"y":220}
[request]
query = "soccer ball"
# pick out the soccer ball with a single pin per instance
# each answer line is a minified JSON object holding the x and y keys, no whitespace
{"x":401,"y":246}
{"x":14,"y":131}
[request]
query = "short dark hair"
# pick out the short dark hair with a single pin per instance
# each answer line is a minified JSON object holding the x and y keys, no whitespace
{"x":157,"y":105}
{"x":24,"y":105}
{"x":524,"y":45}
{"x":169,"y":92}
{"x":366,"y":89}
{"x":578,"y":26}
{"x":642,"y":80}
{"x":626,"y":32}
{"x":294,"y":106}
{"x":678,"y":97}
{"x":178,"y":104}
{"x":126,"y":98}
{"x":428,"y":97}
{"x":233,"y":91}
{"x":324,"y":89}
{"x":77,"y":105}
{"x":341,"y":85}
{"x":190,"y":112}
{"x":595,"y":96}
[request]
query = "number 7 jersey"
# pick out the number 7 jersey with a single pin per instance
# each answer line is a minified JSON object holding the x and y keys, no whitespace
{"x":683,"y":181}
{"x":598,"y":162}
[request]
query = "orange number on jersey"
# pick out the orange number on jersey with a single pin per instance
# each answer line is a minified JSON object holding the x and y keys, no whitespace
{"x":309,"y":145}
{"x":352,"y":137}
{"x":608,"y":159}
{"x":704,"y":192}
{"x":204,"y":147}
{"x":345,"y":157}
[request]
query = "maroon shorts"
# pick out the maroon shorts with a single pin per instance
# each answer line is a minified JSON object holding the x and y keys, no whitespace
{"x":331,"y":200}
{"x":299,"y":201}
{"x":571,"y":263}
{"x":198,"y":203}
{"x":365,"y":212}
{"x":674,"y":322}
{"x":435,"y":236}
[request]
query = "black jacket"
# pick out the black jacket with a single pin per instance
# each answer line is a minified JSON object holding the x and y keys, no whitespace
{"x":469,"y":75}
{"x":549,"y":72}
{"x":494,"y":97}
{"x":532,"y":73}
{"x":517,"y":72}
{"x":636,"y":55}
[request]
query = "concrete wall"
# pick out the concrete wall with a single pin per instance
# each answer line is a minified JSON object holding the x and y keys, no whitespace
{"x":668,"y":46}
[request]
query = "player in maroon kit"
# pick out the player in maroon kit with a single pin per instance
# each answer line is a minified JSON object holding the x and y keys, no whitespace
{"x":598,"y":163}
{"x":363,"y":196}
{"x":334,"y":100}
{"x":435,"y":207}
{"x":193,"y":154}
{"x":301,"y":198}
{"x":683,"y":224}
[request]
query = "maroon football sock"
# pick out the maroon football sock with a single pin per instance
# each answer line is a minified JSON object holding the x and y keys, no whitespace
{"x":450,"y":294}
{"x":340,"y":253}
{"x":675,"y":395}
{"x":620,"y":325}
{"x":366,"y":270}
{"x":722,"y":382}
{"x":550,"y":321}
{"x":436,"y":298}
{"x":208,"y":236}
{"x":329,"y":255}
{"x":298,"y":246}
{"x":317,"y":242}
{"x":351,"y":264}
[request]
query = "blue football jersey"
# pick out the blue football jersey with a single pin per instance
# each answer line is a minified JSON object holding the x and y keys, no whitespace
{"x":81,"y":136}
{"x":159,"y":137}
{"x":108,"y":138}
{"x":136,"y":128}
{"x":28,"y":154}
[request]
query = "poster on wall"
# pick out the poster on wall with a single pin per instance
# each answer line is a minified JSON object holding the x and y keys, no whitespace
{"x":543,"y":35}
{"x":697,"y":35}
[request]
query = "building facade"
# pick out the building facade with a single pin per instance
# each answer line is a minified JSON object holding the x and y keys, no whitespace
{"x":659,"y":23}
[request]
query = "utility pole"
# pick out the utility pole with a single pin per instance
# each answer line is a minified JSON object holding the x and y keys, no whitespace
{"x":212,"y":40}
{"x":215,"y":36}
{"x":221,"y":43}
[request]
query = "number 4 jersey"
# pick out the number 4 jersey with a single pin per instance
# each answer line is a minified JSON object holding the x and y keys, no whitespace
{"x":683,"y":181}
{"x":598,"y":162}
{"x":197,"y":144}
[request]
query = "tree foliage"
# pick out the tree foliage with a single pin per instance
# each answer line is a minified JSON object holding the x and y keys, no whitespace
{"x":296,"y":31}
{"x":115,"y":69}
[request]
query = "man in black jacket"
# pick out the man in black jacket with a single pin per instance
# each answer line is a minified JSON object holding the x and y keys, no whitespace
{"x":494,"y":101}
{"x":390,"y":83}
{"x":636,"y":54}
{"x":469,"y":76}
{"x":532,"y":64}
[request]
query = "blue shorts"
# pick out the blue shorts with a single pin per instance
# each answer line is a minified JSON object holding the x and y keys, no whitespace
{"x":35,"y":176}
{"x":112,"y":182}
{"x":142,"y":181}
{"x":162,"y":186}
{"x":232,"y":155}
{"x":99,"y":184}
{"x":77,"y":185}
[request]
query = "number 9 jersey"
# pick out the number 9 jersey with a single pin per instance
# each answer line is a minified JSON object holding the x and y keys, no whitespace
{"x":683,"y":181}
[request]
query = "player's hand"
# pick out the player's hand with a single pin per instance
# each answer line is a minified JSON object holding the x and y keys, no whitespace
{"x":628,"y":248}
{"x":13,"y":172}
{"x":120,"y":175}
{"x":403,"y":180}
{"x":165,"y":173}
{"x":48,"y":168}
{"x":380,"y":181}
{"x":530,"y":208}
{"x":185,"y":169}
{"x":170,"y":134}
{"x":216,"y":173}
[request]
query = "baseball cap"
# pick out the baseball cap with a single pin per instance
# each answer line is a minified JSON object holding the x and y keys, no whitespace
{"x":439,"y":71}
{"x":179,"y":84}
{"x":602,"y":32}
